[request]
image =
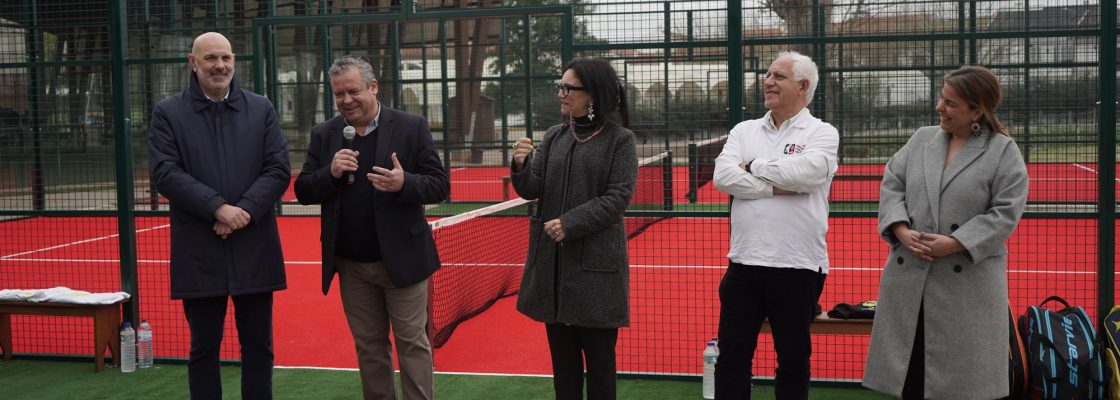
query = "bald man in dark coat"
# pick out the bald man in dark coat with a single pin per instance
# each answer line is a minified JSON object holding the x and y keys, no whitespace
{"x":217,"y":153}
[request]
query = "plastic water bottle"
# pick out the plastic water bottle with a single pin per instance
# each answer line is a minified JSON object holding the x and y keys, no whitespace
{"x":144,"y":344}
{"x":128,"y":348}
{"x":711,"y":354}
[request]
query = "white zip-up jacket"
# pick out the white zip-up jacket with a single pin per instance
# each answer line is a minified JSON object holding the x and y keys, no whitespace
{"x":786,"y":231}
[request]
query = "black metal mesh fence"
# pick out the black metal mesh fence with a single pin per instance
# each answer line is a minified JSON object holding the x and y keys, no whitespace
{"x":483,"y":74}
{"x":55,"y":157}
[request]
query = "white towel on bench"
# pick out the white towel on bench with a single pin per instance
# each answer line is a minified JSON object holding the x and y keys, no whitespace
{"x":62,"y":294}
{"x":15,"y":294}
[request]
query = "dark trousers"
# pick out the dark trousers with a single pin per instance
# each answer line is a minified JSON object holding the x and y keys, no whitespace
{"x":749,"y":295}
{"x":206,"y":318}
{"x":570,"y":347}
{"x":913,"y":388}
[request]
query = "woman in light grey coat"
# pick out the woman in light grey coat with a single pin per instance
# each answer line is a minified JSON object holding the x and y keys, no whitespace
{"x":577,"y":277}
{"x":950,"y":198}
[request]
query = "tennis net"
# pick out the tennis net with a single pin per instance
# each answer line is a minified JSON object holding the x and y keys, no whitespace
{"x":702,"y":164}
{"x":483,"y":250}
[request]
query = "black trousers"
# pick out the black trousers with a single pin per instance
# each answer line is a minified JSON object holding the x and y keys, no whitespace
{"x":913,"y":388}
{"x":206,"y":318}
{"x":570,"y":347}
{"x":749,"y":295}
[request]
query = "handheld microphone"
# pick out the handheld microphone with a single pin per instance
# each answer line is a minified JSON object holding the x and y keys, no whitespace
{"x":348,"y":134}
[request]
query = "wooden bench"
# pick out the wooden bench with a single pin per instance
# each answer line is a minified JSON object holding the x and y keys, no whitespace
{"x":825,"y":325}
{"x":106,"y":325}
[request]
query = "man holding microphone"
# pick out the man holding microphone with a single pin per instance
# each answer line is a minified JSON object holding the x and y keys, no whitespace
{"x":374,"y":233}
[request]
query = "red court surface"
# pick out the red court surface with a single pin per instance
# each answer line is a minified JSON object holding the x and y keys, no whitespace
{"x":676,"y":268}
{"x":1050,"y":183}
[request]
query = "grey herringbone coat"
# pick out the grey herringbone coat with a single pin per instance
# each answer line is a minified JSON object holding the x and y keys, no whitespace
{"x":977,"y":199}
{"x":588,"y":186}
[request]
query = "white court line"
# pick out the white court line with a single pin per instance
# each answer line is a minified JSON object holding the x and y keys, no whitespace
{"x":491,"y":374}
{"x":478,"y":182}
{"x":1089,"y":169}
{"x":1084,"y":167}
{"x":314,"y":368}
{"x":80,"y":242}
{"x":658,"y":266}
{"x":639,"y":266}
{"x":109,"y":260}
{"x":437,"y":372}
{"x":855,"y":269}
{"x":1064,"y":180}
{"x":81,"y":260}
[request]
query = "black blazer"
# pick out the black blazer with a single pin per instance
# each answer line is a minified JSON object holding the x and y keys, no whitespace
{"x":407,"y":246}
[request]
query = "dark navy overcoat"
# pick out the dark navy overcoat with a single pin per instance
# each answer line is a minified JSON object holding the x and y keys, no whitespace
{"x":203,"y":154}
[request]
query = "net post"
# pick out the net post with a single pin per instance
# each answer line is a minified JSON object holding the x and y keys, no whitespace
{"x":667,"y":180}
{"x":693,"y":173}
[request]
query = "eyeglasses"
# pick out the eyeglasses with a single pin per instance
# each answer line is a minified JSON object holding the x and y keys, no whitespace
{"x":566,"y":89}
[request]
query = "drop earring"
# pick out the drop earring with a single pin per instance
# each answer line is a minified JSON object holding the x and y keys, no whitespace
{"x":975,"y":128}
{"x":591,"y":111}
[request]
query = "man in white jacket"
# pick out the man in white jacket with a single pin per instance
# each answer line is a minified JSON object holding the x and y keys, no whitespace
{"x":778,"y":169}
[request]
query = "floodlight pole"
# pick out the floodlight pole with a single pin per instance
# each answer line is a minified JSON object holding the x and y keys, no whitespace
{"x":122,"y":135}
{"x":735,"y":71}
{"x":1106,"y":153}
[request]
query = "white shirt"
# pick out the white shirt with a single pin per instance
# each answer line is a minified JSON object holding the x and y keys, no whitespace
{"x":373,"y":124}
{"x":786,"y":231}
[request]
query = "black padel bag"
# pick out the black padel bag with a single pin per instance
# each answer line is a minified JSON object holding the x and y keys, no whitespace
{"x":1062,"y":352}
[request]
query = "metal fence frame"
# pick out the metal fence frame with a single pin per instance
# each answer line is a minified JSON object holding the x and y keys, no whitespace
{"x":738,"y":50}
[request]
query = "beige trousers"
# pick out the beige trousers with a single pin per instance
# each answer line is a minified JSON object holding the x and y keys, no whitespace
{"x":372,"y":305}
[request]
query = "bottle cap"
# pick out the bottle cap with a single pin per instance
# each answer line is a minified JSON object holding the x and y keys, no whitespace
{"x":126,"y":325}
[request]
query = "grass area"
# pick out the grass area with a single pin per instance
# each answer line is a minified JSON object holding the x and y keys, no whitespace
{"x":61,"y":166}
{"x":35,"y":379}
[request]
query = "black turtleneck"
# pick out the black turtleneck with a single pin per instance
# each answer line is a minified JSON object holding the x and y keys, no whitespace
{"x":584,"y":126}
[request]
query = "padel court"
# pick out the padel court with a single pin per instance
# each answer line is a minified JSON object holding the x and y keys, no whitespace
{"x":676,"y":266}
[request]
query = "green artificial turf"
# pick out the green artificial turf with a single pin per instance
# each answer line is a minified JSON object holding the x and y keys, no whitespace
{"x":61,"y":380}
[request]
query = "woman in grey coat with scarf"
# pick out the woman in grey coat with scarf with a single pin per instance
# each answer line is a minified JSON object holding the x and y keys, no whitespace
{"x":950,"y":198}
{"x":576,"y":277}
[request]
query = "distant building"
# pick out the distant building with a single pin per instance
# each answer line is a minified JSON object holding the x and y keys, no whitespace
{"x":13,"y":81}
{"x":1077,"y":49}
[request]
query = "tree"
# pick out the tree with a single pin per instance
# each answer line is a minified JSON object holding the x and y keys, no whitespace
{"x":543,"y":59}
{"x":470,"y":49}
{"x":798,"y":16}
